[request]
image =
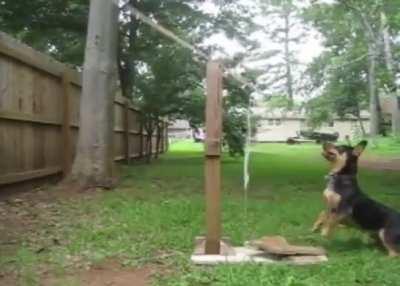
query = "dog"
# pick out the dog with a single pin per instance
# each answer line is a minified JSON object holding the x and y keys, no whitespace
{"x":347,"y":204}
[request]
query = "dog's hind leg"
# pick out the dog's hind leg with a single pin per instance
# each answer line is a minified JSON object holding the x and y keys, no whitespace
{"x":375,"y":239}
{"x":389,"y":240}
{"x":321,"y":219}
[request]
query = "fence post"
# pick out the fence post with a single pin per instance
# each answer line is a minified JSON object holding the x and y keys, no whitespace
{"x":213,"y":157}
{"x":158,"y":134}
{"x":66,"y":124}
{"x":127,"y":132}
{"x":166,"y":137}
{"x":141,"y":139}
{"x":163,"y":136}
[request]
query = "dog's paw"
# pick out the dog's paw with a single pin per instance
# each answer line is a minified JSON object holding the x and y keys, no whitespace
{"x":325,"y":232}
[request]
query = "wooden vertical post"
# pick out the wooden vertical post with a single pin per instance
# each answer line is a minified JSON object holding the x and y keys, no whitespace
{"x":141,"y":135}
{"x":166,"y":138}
{"x":164,"y":135}
{"x":66,"y":124}
{"x":213,"y":154}
{"x":127,"y":132}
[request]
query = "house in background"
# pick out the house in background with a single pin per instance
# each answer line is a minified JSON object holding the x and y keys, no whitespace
{"x":278,"y":125}
{"x":180,"y":129}
{"x":388,"y":103}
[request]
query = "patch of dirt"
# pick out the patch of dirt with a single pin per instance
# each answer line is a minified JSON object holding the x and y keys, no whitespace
{"x":38,"y":219}
{"x":107,"y":274}
{"x":36,"y":214}
{"x":22,"y":214}
{"x":7,"y":280}
{"x":375,"y":163}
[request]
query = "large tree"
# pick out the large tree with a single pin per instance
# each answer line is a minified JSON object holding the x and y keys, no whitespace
{"x":391,"y":66}
{"x":94,"y":160}
{"x":364,"y":15}
{"x":359,"y":39}
{"x":351,"y":71}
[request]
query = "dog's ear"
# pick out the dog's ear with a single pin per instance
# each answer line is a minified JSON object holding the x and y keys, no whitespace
{"x":327,"y":146}
{"x":359,"y":148}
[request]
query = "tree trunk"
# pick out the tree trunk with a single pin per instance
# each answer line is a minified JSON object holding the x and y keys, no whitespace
{"x":149,"y":147}
{"x":373,"y":97}
{"x":375,"y":107}
{"x":390,"y":67}
{"x":362,"y":128}
{"x":371,"y":39}
{"x":149,"y":140}
{"x":94,"y":163}
{"x":289,"y":77}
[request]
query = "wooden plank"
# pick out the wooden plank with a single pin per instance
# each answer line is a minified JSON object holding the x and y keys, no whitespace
{"x":29,"y":118}
{"x":213,"y":153}
{"x":66,"y":129}
{"x":126,"y":133}
{"x":167,"y":139}
{"x":120,"y":100}
{"x":28,"y":175}
{"x":19,"y":177}
{"x":25,"y":117}
{"x":132,"y":132}
{"x":42,"y":98}
{"x":141,"y":143}
{"x":25,"y":54}
{"x":162,"y":149}
{"x":123,"y":158}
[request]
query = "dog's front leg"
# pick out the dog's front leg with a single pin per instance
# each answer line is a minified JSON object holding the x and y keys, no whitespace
{"x":320,"y":221}
{"x":332,"y":221}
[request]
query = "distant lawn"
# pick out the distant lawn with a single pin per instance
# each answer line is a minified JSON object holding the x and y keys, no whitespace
{"x":386,"y":146}
{"x":157,"y":211}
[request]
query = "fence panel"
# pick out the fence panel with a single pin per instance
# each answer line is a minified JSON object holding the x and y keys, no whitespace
{"x":39,"y":116}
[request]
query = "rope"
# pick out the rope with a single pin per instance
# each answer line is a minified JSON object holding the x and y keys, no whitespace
{"x":204,"y":58}
{"x":169,"y":34}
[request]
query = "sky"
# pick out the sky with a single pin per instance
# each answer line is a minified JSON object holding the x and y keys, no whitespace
{"x":305,"y":52}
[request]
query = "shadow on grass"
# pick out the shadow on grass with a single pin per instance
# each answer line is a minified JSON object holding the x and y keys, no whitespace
{"x":349,"y":245}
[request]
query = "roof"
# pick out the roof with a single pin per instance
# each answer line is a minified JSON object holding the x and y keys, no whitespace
{"x":180,"y":124}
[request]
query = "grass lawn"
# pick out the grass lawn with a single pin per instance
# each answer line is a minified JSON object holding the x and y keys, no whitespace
{"x":153,"y":217}
{"x":385,"y":147}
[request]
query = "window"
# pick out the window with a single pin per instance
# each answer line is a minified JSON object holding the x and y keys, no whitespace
{"x":331,"y":123}
{"x":270,"y":122}
{"x":278,"y":122}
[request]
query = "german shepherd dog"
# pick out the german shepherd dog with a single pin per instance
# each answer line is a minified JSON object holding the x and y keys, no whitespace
{"x":347,"y":204}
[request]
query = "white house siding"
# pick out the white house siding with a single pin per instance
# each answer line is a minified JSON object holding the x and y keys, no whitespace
{"x":345,"y":128}
{"x":277,"y":132}
{"x":180,"y":129}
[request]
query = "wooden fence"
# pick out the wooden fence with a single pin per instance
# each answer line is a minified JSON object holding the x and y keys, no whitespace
{"x":39,"y":116}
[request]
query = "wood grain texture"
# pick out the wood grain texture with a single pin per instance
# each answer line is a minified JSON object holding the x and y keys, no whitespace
{"x":39,"y":115}
{"x":213,"y":152}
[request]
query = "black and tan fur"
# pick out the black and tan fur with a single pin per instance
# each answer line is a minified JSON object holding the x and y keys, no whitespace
{"x":347,"y":204}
